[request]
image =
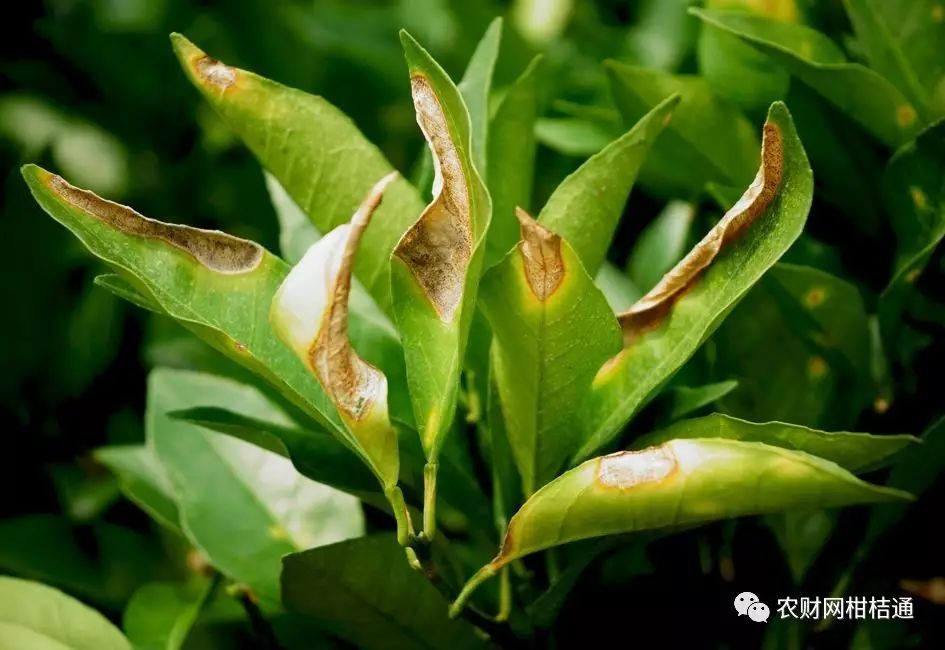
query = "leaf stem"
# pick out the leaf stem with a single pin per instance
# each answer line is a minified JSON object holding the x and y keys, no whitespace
{"x":478,"y":578}
{"x":429,"y":500}
{"x":398,"y":506}
{"x":261,"y":627}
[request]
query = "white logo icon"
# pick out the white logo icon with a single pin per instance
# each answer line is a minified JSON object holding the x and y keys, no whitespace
{"x":758,"y":612}
{"x":743,"y":601}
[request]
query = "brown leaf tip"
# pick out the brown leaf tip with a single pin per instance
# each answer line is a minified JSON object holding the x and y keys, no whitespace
{"x":627,"y":469}
{"x":213,"y":249}
{"x":650,"y":310}
{"x":438,"y":247}
{"x":215,"y":73}
{"x":541,"y":254}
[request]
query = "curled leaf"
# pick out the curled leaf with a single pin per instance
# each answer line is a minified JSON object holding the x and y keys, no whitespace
{"x":649,"y":311}
{"x":680,"y":482}
{"x":310,"y":314}
{"x":438,"y":247}
{"x":213,"y":249}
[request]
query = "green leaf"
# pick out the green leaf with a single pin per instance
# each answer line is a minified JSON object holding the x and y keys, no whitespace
{"x":160,"y":614}
{"x":435,"y":267}
{"x":314,"y":150}
{"x":818,"y":374}
{"x":363,"y":591}
{"x":36,"y":617}
{"x":681,"y":482}
{"x":902,"y":41}
{"x":856,"y":452}
{"x":511,"y":154}
{"x":813,"y":58}
{"x":802,"y":535}
{"x":218,"y":286}
{"x":586,"y":207}
{"x":296,"y":232}
{"x":228,"y":489}
{"x":475,"y":87}
{"x":552,"y":330}
{"x":683,"y":400}
{"x":706,"y":141}
{"x":661,"y":244}
{"x":573,"y":136}
{"x":619,"y":289}
{"x":102,"y":562}
{"x":314,"y":453}
{"x":776,"y":207}
{"x":125,"y":290}
{"x":142,"y":480}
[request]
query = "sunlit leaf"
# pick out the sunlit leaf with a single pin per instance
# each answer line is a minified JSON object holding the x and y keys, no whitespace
{"x":142,"y":480}
{"x":36,"y":617}
{"x":475,"y":87}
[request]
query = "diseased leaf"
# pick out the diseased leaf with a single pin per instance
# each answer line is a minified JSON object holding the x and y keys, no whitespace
{"x":318,"y":155}
{"x":36,"y":617}
{"x":680,"y":482}
{"x":228,"y":489}
{"x":552,"y":330}
{"x":706,"y":141}
{"x":586,"y":207}
{"x":902,"y":41}
{"x":215,"y":285}
{"x":310,"y":314}
{"x":813,"y":58}
{"x":667,"y":326}
{"x":511,"y":154}
{"x":856,"y":452}
{"x":435,"y":266}
{"x":160,"y":614}
{"x":661,"y":244}
{"x":142,"y":480}
{"x":475,"y":87}
{"x":364,"y":592}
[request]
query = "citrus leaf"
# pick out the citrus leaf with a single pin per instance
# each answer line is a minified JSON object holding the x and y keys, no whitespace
{"x":813,"y":58}
{"x":552,"y":329}
{"x":475,"y":87}
{"x":666,"y":327}
{"x":681,"y":482}
{"x":310,"y":314}
{"x":36,"y":617}
{"x":511,"y":155}
{"x":856,"y":452}
{"x":228,"y":489}
{"x":363,"y":591}
{"x":706,"y":141}
{"x":586,"y":207}
{"x":142,"y":480}
{"x":315,"y":151}
{"x":435,"y":266}
{"x":160,"y":614}
{"x":661,"y":244}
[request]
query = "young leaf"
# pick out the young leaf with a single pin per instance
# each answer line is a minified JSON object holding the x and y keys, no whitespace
{"x":680,"y":482}
{"x":363,"y":591}
{"x":142,"y":480}
{"x":511,"y":154}
{"x":160,"y":614}
{"x":475,"y":87}
{"x":36,"y":617}
{"x":435,"y":266}
{"x":317,"y":154}
{"x":310,"y":314}
{"x":228,"y":489}
{"x":587,"y":205}
{"x":856,"y":452}
{"x":552,"y":330}
{"x":706,"y":141}
{"x":902,"y":41}
{"x":665,"y":327}
{"x":813,"y":58}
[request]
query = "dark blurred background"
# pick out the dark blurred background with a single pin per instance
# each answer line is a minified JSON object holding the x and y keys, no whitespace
{"x":91,"y":90}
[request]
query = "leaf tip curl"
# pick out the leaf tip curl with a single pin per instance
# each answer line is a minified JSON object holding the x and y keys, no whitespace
{"x":541,"y":256}
{"x":202,"y":68}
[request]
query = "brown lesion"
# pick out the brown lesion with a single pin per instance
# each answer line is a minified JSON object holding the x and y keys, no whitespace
{"x":625,"y":470}
{"x":650,"y":310}
{"x":213,"y":249}
{"x":541,"y":254}
{"x":438,"y":247}
{"x":352,"y":383}
{"x":215,"y":73}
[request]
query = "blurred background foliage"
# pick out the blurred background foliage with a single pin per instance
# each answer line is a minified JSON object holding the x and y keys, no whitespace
{"x":91,"y":89}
